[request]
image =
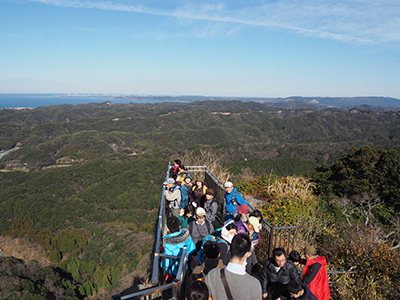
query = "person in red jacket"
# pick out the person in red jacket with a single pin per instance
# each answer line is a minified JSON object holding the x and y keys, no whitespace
{"x":315,"y":275}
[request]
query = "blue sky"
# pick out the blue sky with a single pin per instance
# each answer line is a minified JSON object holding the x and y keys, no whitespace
{"x":276,"y":48}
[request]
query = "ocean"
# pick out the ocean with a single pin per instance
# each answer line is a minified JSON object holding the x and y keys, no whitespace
{"x":36,"y":100}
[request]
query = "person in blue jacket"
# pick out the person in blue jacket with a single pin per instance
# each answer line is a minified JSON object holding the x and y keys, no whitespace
{"x":232,"y":199}
{"x":174,"y":242}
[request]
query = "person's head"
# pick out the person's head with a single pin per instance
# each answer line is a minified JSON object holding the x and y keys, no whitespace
{"x":228,"y":232}
{"x":279,"y":254}
{"x":211,"y":250}
{"x":200,"y":215}
{"x":177,"y":162}
{"x":256,"y":213}
{"x":173,"y":224}
{"x":197,"y":290}
{"x":294,"y":289}
{"x":210,"y":194}
{"x":240,"y":246}
{"x":170,"y":182}
{"x":181,"y":169}
{"x":188,"y":178}
{"x":189,"y":210}
{"x":228,"y":187}
{"x":199,"y":184}
{"x":253,"y":221}
{"x":294,"y":257}
{"x":231,"y":228}
{"x":309,"y":252}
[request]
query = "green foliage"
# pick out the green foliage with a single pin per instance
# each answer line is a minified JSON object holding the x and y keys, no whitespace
{"x":362,"y":171}
{"x":117,"y":156}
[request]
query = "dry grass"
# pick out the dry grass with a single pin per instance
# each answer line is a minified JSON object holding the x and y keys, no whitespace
{"x":205,"y":157}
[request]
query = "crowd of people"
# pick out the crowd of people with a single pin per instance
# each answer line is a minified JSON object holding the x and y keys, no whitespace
{"x":220,"y":247}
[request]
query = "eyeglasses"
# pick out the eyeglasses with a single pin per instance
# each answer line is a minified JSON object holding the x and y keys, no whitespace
{"x":280,"y":261}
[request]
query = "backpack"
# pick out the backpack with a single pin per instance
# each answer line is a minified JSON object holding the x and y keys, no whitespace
{"x":191,"y":224}
{"x":220,"y":209}
{"x":240,"y":194}
{"x":213,"y":237}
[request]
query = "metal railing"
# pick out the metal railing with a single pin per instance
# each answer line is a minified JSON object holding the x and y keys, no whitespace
{"x":277,"y":236}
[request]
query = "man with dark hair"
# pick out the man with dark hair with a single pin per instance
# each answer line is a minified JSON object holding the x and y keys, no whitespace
{"x":233,"y":280}
{"x":174,"y":242}
{"x":299,"y":290}
{"x":314,"y":275}
{"x":276,"y":274}
{"x":211,"y":261}
{"x":295,"y":257}
{"x":173,"y":171}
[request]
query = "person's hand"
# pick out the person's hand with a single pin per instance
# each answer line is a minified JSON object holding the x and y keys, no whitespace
{"x":265,"y":295}
{"x":278,"y":298}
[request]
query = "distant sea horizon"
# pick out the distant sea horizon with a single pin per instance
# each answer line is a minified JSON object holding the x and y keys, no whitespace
{"x":36,"y":100}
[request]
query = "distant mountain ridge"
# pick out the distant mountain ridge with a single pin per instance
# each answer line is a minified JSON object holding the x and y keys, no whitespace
{"x":293,"y":102}
{"x":345,"y":102}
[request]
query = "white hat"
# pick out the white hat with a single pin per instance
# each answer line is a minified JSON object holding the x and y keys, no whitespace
{"x":228,"y":184}
{"x":169,"y":181}
{"x":200,"y":211}
{"x":254,"y":221}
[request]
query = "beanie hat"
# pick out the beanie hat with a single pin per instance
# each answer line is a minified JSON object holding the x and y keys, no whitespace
{"x":309,"y":250}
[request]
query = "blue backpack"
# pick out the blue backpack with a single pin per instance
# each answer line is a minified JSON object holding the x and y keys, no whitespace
{"x":215,"y":236}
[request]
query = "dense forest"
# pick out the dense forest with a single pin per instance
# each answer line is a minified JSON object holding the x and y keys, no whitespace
{"x":85,"y":180}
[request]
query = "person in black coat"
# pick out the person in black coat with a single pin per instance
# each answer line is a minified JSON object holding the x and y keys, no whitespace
{"x":276,"y":274}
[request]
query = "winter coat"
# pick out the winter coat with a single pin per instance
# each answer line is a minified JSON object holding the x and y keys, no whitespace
{"x":184,"y":221}
{"x":197,"y":195}
{"x":316,"y":278}
{"x":185,"y":189}
{"x":173,"y":196}
{"x":199,"y":232}
{"x":236,"y":196}
{"x":211,"y":208}
{"x":173,"y":245}
{"x":269,"y":278}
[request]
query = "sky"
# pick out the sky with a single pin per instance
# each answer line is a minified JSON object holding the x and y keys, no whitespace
{"x":252,"y":48}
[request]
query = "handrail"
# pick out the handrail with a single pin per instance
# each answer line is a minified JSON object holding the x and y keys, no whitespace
{"x":154,"y":278}
{"x":176,"y":285}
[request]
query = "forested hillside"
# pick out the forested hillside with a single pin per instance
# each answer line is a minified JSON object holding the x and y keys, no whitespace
{"x":93,"y":173}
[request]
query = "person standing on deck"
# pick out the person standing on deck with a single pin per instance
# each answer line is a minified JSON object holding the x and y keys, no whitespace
{"x":172,"y":194}
{"x":314,"y":275}
{"x":232,"y":199}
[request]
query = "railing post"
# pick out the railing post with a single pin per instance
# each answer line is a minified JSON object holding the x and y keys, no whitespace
{"x":271,"y":234}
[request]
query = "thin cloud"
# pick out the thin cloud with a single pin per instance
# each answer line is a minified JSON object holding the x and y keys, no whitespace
{"x":359,"y":21}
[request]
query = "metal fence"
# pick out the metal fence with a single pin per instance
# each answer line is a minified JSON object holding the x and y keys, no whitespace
{"x":276,"y":237}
